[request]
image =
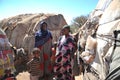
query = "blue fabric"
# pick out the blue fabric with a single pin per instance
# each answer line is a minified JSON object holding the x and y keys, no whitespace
{"x":41,"y":37}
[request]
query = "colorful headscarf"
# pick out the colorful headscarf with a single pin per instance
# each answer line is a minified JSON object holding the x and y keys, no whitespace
{"x":66,"y":27}
{"x":42,"y":36}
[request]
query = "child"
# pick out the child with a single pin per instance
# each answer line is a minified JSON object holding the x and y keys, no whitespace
{"x":34,"y":65}
{"x":8,"y":75}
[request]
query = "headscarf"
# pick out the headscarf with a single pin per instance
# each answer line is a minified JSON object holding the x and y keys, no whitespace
{"x":66,"y":27}
{"x":42,"y":36}
{"x":43,"y":32}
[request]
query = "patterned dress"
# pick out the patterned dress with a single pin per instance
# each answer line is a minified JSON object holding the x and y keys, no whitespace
{"x":64,"y":59}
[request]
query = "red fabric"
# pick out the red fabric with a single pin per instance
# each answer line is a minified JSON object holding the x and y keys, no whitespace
{"x":41,"y":66}
{"x":50,"y":67}
{"x":4,"y":53}
{"x":45,"y":56}
{"x":9,"y":78}
{"x":2,"y":36}
{"x":40,"y":47}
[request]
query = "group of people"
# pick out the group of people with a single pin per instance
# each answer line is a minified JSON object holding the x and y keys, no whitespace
{"x":56,"y":61}
{"x":52,"y":61}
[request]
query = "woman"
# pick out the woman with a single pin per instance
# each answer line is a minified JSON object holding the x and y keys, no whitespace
{"x":43,"y":41}
{"x":64,"y":56}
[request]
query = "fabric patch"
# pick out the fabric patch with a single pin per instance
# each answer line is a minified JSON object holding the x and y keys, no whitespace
{"x":45,"y":57}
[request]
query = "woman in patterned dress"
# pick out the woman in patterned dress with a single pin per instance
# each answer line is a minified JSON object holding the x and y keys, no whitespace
{"x":64,"y":56}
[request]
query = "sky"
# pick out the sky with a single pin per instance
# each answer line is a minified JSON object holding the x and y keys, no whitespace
{"x":70,"y":9}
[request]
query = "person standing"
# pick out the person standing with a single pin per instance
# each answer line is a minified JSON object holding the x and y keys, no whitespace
{"x":33,"y":65}
{"x":63,"y":68}
{"x":43,"y":41}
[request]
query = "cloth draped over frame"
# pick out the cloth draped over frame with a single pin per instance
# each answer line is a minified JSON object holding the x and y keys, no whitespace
{"x":114,"y":71}
{"x":6,"y":61}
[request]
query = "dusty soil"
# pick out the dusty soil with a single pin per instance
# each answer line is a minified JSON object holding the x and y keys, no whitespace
{"x":25,"y":76}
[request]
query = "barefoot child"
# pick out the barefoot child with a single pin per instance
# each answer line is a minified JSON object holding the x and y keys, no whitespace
{"x":34,"y":65}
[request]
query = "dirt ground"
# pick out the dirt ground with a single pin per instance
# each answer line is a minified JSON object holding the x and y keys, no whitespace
{"x":78,"y":77}
{"x":25,"y":76}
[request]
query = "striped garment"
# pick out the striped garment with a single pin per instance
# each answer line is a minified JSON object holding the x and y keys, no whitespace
{"x":34,"y":66}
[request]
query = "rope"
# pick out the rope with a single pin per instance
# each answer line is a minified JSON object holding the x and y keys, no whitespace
{"x":107,"y":36}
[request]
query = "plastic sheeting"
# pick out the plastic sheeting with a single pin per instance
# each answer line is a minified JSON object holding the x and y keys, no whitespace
{"x":99,"y":10}
{"x":111,"y":13}
{"x":103,"y":4}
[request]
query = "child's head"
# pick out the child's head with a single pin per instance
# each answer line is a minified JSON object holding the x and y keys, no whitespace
{"x":7,"y":71}
{"x":36,"y":52}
